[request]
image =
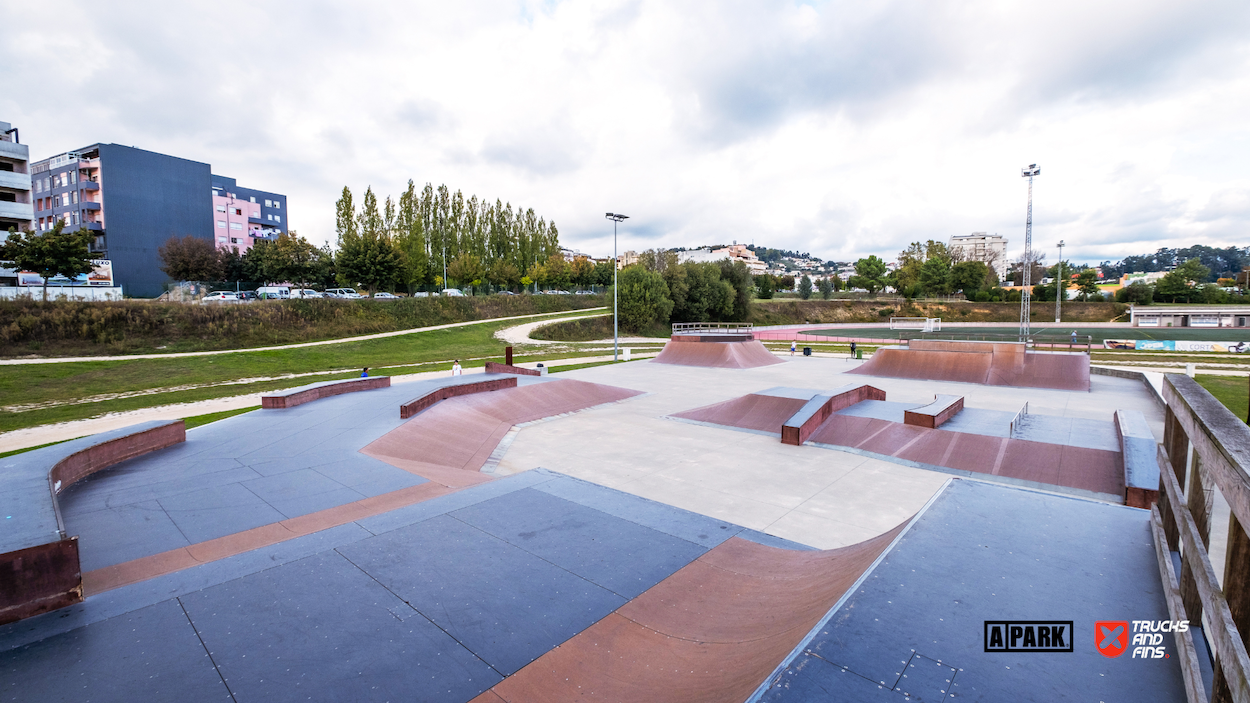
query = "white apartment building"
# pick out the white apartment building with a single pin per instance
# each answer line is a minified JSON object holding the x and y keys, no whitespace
{"x":979,"y":246}
{"x":16,"y":208}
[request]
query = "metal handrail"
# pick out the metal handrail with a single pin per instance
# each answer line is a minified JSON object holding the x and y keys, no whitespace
{"x":712,"y":327}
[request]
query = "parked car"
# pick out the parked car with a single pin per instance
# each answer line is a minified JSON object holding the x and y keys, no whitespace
{"x":584,"y":292}
{"x":348,"y":293}
{"x":505,"y":292}
{"x":273,"y":292}
{"x":223,"y":295}
{"x":453,"y":293}
{"x":557,"y":292}
{"x":247,"y":295}
{"x":385,"y":296}
{"x":421,"y":294}
{"x":305,"y":293}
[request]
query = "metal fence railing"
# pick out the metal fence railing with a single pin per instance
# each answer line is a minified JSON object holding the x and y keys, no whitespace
{"x":712,"y":328}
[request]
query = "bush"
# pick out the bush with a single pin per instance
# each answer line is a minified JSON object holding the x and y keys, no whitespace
{"x":643,"y":299}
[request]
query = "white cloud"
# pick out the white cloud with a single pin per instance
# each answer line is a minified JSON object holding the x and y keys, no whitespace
{"x":839,"y":128}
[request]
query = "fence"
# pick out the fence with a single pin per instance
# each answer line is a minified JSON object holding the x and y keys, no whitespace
{"x":712,"y":328}
{"x":1203,"y":482}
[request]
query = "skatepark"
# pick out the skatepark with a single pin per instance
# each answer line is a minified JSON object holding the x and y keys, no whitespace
{"x":719,"y":523}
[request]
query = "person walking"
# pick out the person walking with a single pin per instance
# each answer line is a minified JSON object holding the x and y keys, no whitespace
{"x":852,"y":350}
{"x":1074,"y":336}
{"x":793,"y":343}
{"x":455,"y":368}
{"x":365,"y":373}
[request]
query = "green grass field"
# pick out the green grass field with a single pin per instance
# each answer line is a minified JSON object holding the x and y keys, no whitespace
{"x":71,"y":391}
{"x":1232,"y":391}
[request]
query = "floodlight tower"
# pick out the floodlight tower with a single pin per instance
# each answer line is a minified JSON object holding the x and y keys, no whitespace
{"x":1059,"y":295}
{"x":616,"y":266}
{"x":1026,"y":284}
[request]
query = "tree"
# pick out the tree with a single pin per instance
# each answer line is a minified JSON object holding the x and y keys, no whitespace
{"x":935,"y":276}
{"x":294,"y":259}
{"x":825,"y":286}
{"x":466,"y":270}
{"x":765,"y":286}
{"x":869,"y":274}
{"x":969,"y":277}
{"x":1087,"y":283}
{"x":739,"y":278}
{"x":785,"y":283}
{"x":582,"y":272}
{"x":642,"y":299}
{"x":503,"y":273}
{"x":191,"y":258}
{"x":805,"y":287}
{"x":1138,"y":293}
{"x":604,"y":270}
{"x":53,"y":253}
{"x":1180,"y":282}
{"x":659,"y":260}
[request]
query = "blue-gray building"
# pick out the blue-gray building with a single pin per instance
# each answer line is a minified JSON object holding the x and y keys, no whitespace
{"x":134,"y":200}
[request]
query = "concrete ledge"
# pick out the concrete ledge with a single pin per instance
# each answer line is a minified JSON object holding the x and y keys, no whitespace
{"x":292,"y":397}
{"x":943,"y":408}
{"x":495,"y":367}
{"x":39,"y":567}
{"x":813,"y":414}
{"x":416,"y":405}
{"x":712,"y":337}
{"x":1141,"y":468}
{"x":1135,"y":375}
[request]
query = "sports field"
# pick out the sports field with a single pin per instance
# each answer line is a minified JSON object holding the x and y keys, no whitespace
{"x":1100,"y":334}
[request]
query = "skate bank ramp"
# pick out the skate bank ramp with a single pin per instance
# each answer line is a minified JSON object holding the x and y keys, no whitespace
{"x":986,"y":363}
{"x":716,"y":351}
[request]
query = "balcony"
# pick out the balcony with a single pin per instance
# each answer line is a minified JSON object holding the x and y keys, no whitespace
{"x":16,"y":181}
{"x":89,"y":185}
{"x":16,"y":211}
{"x":15,"y":151}
{"x":88,"y":205}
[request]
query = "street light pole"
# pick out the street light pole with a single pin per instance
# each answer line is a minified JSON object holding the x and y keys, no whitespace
{"x":616,"y":266}
{"x":1059,"y":277}
{"x":1026,"y":291}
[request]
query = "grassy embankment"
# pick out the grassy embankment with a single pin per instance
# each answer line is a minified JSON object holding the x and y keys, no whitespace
{"x":38,"y":394}
{"x":1232,"y":391}
{"x":140,"y":327}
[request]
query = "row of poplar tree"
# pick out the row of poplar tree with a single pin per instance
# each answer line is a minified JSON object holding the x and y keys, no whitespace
{"x":412,"y":241}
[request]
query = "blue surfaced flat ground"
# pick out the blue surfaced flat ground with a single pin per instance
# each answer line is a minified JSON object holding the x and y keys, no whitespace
{"x":915,"y":627}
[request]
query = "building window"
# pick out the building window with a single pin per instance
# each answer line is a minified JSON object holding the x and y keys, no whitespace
{"x":256,"y":214}
{"x":268,"y":204}
{"x":38,"y":186}
{"x":75,"y":218}
{"x":221,"y":208}
{"x":238,"y":212}
{"x":75,"y":197}
{"x":277,"y":204}
{"x":221,"y":224}
{"x":234,"y":240}
{"x":253,"y":198}
{"x":236,"y":225}
{"x":277,"y":218}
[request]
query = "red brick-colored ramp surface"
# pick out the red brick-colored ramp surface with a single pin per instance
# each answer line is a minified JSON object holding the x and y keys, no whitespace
{"x":723,"y":355}
{"x":711,"y":632}
{"x":766,"y":413}
{"x":986,"y":364}
{"x":1095,"y":470}
{"x":450,"y":442}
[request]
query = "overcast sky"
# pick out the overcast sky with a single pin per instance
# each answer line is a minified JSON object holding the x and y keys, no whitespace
{"x":839,"y":128}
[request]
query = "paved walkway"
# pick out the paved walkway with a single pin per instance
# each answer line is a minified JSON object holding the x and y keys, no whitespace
{"x":361,"y":338}
{"x":521,"y":335}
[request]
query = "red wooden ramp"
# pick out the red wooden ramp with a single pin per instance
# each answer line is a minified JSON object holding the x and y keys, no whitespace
{"x":713,"y":631}
{"x":716,"y":354}
{"x":986,"y":363}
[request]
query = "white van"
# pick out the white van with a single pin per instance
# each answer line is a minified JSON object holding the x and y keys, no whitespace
{"x":305,"y":293}
{"x":453,"y":293}
{"x":348,"y":293}
{"x":273,"y":292}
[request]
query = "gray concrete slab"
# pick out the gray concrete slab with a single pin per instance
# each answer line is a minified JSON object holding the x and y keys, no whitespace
{"x":889,"y":410}
{"x":113,"y":535}
{"x":619,"y":555}
{"x":501,"y":602}
{"x":982,"y":552}
{"x":322,"y":629}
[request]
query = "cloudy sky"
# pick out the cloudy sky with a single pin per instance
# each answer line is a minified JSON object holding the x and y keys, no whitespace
{"x":839,"y":128}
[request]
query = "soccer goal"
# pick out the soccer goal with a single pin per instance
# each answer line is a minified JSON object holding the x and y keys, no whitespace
{"x":925,"y":324}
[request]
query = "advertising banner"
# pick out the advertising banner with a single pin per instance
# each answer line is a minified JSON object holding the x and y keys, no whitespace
{"x":1178,"y":345}
{"x":101,"y":275}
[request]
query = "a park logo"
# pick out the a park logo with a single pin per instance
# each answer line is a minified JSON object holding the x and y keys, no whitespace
{"x":1111,"y":636}
{"x":1028,"y":636}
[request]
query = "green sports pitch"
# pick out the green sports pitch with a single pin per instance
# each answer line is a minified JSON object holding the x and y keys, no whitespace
{"x":1099,"y":334}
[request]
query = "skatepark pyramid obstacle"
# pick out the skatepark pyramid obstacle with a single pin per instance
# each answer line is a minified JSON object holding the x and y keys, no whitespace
{"x":715,"y":345}
{"x":986,"y":363}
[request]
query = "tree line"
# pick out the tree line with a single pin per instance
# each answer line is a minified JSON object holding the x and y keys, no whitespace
{"x":660,"y":289}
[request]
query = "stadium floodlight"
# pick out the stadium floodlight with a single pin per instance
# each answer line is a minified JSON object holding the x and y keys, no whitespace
{"x":1027,"y":262}
{"x":616,"y":266}
{"x":1059,"y":277}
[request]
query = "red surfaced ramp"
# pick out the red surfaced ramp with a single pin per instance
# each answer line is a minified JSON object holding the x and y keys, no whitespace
{"x":450,"y":442}
{"x":722,"y":355}
{"x":986,"y":363}
{"x":713,"y":631}
{"x":766,"y":413}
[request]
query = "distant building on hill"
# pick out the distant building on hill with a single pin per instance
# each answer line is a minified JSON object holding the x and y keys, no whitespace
{"x":734,"y":252}
{"x":979,"y":246}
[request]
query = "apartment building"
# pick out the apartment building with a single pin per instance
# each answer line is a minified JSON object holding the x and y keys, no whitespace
{"x":979,"y":246}
{"x":16,"y":208}
{"x":133,"y":200}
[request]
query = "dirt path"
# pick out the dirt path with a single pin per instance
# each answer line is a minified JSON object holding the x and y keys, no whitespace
{"x":380,"y":335}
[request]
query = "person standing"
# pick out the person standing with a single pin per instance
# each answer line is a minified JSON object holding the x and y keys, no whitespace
{"x":365,"y":373}
{"x":1074,"y":336}
{"x":793,"y":343}
{"x":455,"y":368}
{"x":852,"y":350}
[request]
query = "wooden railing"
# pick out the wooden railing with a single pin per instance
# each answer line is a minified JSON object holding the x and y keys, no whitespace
{"x":712,"y":327}
{"x":1205,"y":454}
